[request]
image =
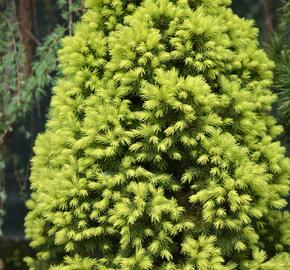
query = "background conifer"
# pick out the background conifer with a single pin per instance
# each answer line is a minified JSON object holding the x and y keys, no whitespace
{"x":280,"y":53}
{"x":160,"y":152}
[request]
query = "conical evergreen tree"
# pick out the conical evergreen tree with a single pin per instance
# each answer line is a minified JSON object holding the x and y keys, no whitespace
{"x":160,"y":152}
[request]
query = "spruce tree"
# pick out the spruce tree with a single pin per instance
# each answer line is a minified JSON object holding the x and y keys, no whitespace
{"x":160,"y":152}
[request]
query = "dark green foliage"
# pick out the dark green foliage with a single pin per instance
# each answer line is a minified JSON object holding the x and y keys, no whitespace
{"x":11,"y":83}
{"x":12,"y":58}
{"x":160,"y":152}
{"x":280,"y":53}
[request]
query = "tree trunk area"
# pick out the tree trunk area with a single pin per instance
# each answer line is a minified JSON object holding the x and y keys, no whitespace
{"x":25,"y":17}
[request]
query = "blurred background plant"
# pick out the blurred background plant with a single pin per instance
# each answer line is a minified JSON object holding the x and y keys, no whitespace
{"x":279,"y":49}
{"x":31,"y":32}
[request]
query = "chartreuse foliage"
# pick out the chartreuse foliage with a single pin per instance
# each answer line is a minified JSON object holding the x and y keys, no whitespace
{"x":159,"y":152}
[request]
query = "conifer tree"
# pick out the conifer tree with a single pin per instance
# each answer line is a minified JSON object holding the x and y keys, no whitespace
{"x":159,"y":152}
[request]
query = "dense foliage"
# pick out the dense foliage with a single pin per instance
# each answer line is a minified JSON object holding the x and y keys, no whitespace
{"x":280,"y":52}
{"x":160,"y":152}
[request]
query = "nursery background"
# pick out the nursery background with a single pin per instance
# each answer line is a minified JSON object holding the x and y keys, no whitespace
{"x":31,"y":33}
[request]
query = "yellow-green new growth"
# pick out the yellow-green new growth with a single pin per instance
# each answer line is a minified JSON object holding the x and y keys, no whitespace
{"x":160,"y":152}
